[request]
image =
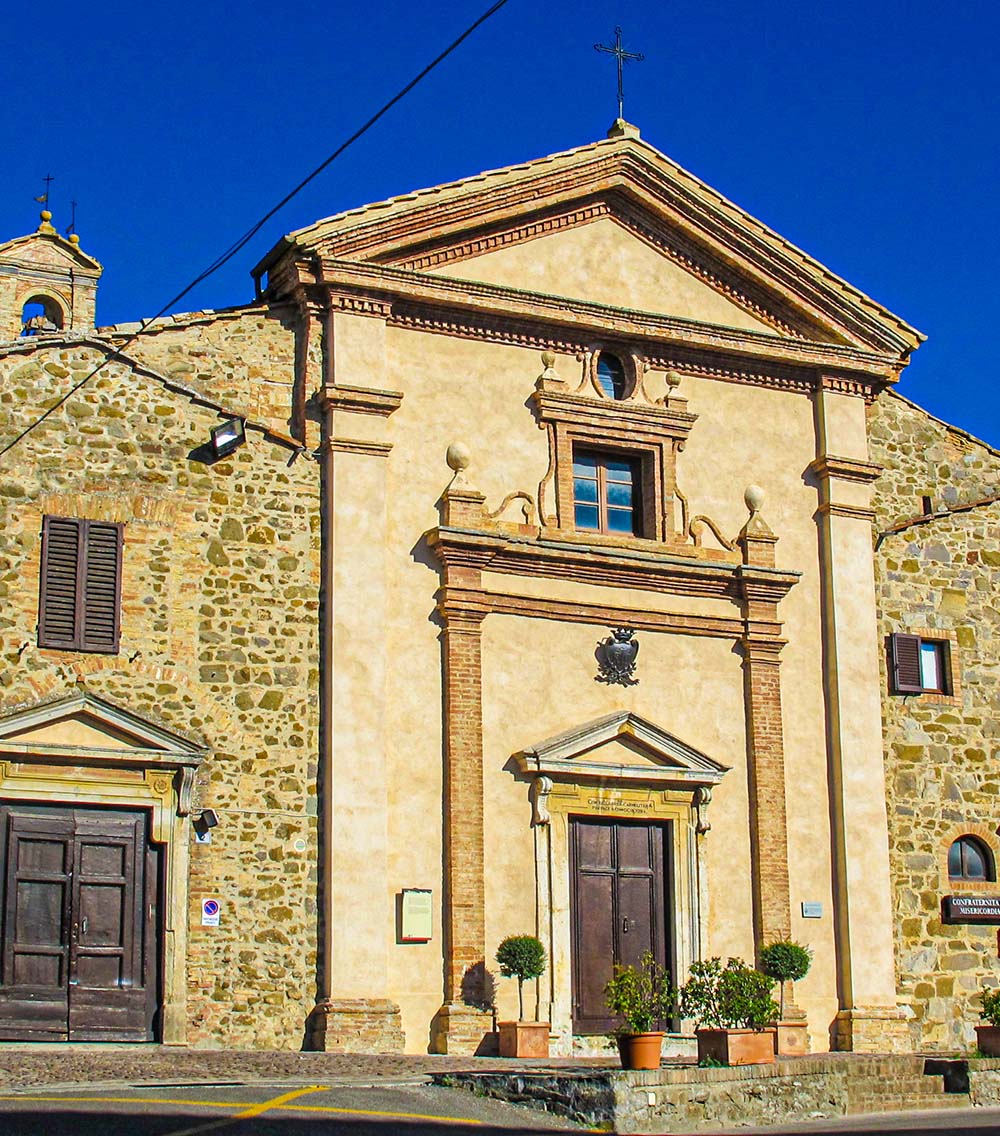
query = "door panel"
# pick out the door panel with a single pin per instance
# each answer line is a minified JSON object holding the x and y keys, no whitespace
{"x":79,"y":940}
{"x":619,"y":908}
{"x":34,"y":935}
{"x":596,"y":911}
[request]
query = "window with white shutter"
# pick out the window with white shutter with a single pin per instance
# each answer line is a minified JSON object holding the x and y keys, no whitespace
{"x":80,"y":595}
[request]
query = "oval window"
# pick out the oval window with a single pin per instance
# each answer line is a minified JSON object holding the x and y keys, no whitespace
{"x":611,"y":376}
{"x":970,"y":859}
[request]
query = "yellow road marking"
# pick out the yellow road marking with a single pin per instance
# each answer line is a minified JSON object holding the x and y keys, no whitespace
{"x":248,"y":1113}
{"x":276,"y":1104}
{"x":375,"y":1112}
{"x":120,"y":1100}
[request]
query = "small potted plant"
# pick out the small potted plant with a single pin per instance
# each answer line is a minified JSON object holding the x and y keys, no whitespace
{"x":988,"y":1036}
{"x":522,"y":957}
{"x":643,"y":997}
{"x":731,"y":1006}
{"x":787,"y":962}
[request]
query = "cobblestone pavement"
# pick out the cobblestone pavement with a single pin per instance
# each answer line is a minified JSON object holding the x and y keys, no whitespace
{"x":23,"y":1067}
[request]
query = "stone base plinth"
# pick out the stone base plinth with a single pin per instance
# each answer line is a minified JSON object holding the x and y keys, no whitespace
{"x":461,"y":1029}
{"x":872,"y":1029}
{"x":791,"y":1037}
{"x":355,"y":1025}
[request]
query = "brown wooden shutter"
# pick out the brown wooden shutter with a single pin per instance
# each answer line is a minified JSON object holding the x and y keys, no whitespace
{"x":101,"y":587}
{"x":59,"y":599}
{"x":80,"y":591}
{"x":905,"y":651}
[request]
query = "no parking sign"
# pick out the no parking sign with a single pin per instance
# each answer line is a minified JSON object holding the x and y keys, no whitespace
{"x":210,"y":913}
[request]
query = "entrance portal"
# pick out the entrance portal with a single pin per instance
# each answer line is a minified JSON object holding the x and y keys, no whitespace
{"x":619,"y":903}
{"x":79,"y":925}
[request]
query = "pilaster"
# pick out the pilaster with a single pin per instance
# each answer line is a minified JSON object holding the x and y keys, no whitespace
{"x":869,"y":1019}
{"x":462,"y":1021}
{"x":762,"y":645}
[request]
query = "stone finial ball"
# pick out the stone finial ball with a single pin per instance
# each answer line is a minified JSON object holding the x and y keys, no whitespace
{"x":458,"y":456}
{"x":548,"y":359}
{"x":672,"y":379}
{"x":45,"y":215}
{"x":754,"y":497}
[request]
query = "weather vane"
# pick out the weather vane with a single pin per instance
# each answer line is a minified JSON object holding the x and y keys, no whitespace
{"x":44,"y":199}
{"x":622,"y":56}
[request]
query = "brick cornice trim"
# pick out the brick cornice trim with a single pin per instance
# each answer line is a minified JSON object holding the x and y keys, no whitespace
{"x":853,"y":512}
{"x":474,"y":604}
{"x":480,"y":307}
{"x":846,"y":469}
{"x":621,"y":568}
{"x":359,"y":446}
{"x":360,"y":400}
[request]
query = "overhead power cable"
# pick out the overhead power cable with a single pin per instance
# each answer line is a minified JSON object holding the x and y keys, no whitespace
{"x":234,"y":248}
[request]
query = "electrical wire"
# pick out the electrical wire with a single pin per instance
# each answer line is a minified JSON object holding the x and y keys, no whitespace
{"x":237,"y":245}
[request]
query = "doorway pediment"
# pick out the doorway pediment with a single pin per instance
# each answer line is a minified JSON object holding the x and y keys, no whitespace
{"x":621,"y":746}
{"x":83,"y":721}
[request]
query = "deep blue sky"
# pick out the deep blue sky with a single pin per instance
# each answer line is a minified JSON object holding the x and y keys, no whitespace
{"x":864,"y":132}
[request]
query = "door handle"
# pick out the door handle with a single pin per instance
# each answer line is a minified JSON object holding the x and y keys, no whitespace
{"x":83,"y":925}
{"x":625,"y":925}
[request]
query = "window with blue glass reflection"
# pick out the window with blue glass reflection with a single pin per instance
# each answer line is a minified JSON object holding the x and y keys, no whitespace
{"x":970,"y":859}
{"x":605,"y":490}
{"x":611,"y":376}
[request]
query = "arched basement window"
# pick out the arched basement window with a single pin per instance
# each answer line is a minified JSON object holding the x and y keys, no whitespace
{"x":970,"y":859}
{"x":611,"y":376}
{"x":41,"y":314}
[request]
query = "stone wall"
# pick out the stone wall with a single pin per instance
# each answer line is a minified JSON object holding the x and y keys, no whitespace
{"x":937,"y":577}
{"x":243,"y":358}
{"x":218,"y":641}
{"x":692,"y":1099}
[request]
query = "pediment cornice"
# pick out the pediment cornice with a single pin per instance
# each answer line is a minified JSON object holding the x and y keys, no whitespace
{"x":472,"y":309}
{"x":626,"y":175}
{"x":650,"y":754}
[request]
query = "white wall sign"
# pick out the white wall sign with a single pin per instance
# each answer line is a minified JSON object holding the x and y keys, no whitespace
{"x":812,"y":910}
{"x":417,"y":916}
{"x":210,"y":912}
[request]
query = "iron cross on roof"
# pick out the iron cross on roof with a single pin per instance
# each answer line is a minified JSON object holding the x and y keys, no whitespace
{"x":622,"y":56}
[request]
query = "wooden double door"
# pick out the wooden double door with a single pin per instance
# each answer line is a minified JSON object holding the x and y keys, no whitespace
{"x":79,"y":925}
{"x":620,"y":908}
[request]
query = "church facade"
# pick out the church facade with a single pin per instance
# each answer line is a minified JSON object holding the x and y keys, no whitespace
{"x":506,"y":566}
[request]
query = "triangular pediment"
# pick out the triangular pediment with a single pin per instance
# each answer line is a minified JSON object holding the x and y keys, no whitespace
{"x":621,"y":746}
{"x":616,"y":223}
{"x":48,"y":250}
{"x":82,"y":721}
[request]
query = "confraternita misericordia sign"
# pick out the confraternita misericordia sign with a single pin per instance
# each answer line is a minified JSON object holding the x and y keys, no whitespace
{"x":970,"y":909}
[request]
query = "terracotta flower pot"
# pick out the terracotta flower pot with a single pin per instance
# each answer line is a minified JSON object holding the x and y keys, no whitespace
{"x":640,"y":1050}
{"x":988,"y":1040}
{"x":524,"y":1039}
{"x":736,"y":1046}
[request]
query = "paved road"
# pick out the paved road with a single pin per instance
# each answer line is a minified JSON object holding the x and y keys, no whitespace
{"x":409,"y":1109}
{"x":406,"y":1107}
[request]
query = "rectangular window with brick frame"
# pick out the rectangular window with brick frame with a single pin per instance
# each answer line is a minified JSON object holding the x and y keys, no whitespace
{"x":79,"y":607}
{"x":920,"y":665}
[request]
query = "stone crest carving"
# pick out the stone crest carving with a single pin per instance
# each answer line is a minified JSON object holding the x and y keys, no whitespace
{"x":616,"y":657}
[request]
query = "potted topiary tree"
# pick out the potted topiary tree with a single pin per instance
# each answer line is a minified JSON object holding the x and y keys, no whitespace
{"x":988,"y":1036}
{"x":643,"y":997}
{"x":522,"y":957}
{"x":731,"y":1006}
{"x":787,"y":962}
